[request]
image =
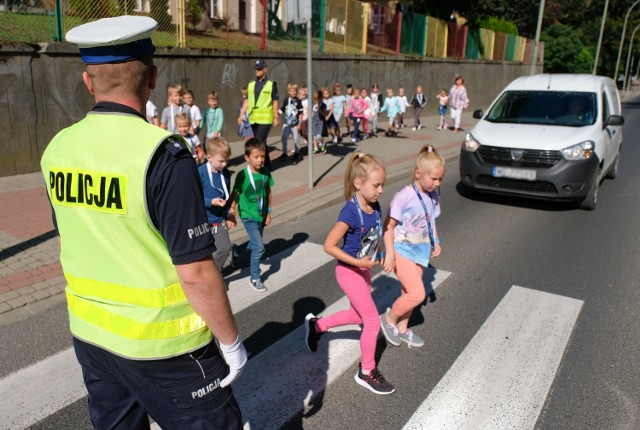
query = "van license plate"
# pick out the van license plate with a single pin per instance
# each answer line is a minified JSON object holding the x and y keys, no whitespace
{"x":513,"y":173}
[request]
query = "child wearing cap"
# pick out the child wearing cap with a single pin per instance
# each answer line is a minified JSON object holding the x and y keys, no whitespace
{"x":174,"y":98}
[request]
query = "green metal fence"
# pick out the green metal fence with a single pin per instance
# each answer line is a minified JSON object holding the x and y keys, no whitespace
{"x":414,"y":34}
{"x":339,"y":26}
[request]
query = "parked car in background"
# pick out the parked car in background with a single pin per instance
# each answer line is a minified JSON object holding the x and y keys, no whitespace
{"x":552,"y":137}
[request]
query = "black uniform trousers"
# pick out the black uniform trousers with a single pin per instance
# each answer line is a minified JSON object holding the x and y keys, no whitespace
{"x":181,"y":392}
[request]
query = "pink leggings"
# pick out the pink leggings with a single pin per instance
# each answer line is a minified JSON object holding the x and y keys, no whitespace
{"x":356,"y":283}
{"x":413,"y":293}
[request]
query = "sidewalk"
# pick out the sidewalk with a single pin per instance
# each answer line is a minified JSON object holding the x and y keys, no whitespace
{"x":30,"y":269}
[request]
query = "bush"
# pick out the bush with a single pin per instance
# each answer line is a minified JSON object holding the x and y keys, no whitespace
{"x":564,"y":51}
{"x":499,"y":24}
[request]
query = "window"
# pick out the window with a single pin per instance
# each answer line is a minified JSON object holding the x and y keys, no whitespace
{"x":563,"y":108}
{"x":376,"y":20}
{"x":142,"y":6}
{"x":605,"y":108}
{"x":215,"y":9}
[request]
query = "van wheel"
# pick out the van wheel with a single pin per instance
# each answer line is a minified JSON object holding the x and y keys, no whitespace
{"x":613,"y":171}
{"x":589,"y":203}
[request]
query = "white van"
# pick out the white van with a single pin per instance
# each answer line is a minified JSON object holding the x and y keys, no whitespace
{"x":546,"y":136}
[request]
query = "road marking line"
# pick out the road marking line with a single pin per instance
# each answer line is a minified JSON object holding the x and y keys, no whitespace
{"x":502,"y":378}
{"x":280,"y":270}
{"x":305,"y":376}
{"x":37,"y":391}
{"x":43,"y":388}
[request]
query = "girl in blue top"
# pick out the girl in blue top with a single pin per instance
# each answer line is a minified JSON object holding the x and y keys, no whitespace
{"x":410,"y":238}
{"x":354,"y":242}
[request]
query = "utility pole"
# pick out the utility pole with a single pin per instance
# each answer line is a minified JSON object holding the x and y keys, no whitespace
{"x":536,"y":41}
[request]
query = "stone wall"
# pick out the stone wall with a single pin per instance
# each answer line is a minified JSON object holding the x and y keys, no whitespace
{"x":41,"y":88}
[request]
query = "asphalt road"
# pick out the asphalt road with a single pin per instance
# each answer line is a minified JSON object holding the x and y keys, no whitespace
{"x":489,"y":245}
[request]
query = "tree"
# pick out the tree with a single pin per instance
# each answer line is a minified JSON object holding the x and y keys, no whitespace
{"x":564,"y":51}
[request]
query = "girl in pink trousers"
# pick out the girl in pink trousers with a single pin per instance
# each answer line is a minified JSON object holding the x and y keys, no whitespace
{"x":410,"y":239}
{"x":354,"y":241}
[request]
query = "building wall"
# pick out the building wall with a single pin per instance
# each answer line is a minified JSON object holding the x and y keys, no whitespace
{"x":41,"y":88}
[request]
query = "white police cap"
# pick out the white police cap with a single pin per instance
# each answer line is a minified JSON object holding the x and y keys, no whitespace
{"x":114,"y":40}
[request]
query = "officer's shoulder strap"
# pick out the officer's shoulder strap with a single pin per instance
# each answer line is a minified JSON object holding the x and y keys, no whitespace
{"x":175,"y":145}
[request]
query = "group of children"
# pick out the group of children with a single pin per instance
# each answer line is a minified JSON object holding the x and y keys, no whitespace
{"x":359,"y":109}
{"x":250,"y":197}
{"x":249,"y":200}
{"x":182,"y":116}
{"x":408,"y":233}
{"x":410,"y":239}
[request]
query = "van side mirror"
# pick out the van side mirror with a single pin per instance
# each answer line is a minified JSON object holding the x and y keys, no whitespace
{"x":478,"y":114}
{"x":615,"y":120}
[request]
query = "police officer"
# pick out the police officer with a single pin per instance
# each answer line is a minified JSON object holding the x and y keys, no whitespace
{"x":144,"y":295}
{"x":261,"y":105}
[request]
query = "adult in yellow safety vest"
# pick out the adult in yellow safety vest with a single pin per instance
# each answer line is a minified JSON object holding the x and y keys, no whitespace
{"x":145,"y":298}
{"x":261,"y":105}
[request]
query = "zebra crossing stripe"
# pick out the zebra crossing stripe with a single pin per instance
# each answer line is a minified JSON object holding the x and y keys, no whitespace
{"x":43,"y":388}
{"x":39,"y":390}
{"x":277,"y":272}
{"x":503,"y":376}
{"x":302,"y":376}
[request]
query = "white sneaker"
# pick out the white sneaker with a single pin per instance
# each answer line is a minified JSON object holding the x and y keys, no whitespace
{"x":258,"y":285}
{"x":413,"y":129}
{"x":419,"y":126}
{"x":439,"y":128}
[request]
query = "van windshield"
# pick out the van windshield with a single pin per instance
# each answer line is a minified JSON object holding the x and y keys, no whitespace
{"x":561,"y":108}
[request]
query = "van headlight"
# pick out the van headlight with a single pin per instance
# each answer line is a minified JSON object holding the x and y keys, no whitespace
{"x":581,"y":151}
{"x":470,"y":143}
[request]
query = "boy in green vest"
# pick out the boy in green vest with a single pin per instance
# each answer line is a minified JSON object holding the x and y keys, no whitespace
{"x":252,"y":199}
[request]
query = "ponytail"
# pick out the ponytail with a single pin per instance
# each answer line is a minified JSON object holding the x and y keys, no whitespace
{"x":360,"y":165}
{"x":427,"y":158}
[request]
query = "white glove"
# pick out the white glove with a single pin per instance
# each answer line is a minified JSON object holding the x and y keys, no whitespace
{"x":236,"y":357}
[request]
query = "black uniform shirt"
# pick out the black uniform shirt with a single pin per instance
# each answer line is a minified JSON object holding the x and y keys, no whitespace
{"x":174,"y":197}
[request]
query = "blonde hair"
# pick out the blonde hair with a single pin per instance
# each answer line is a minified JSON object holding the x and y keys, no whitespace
{"x":218,"y":145}
{"x":289,"y":86}
{"x":360,"y":166}
{"x":174,"y":87}
{"x":182,"y":116}
{"x":213,"y":95}
{"x":427,"y":158}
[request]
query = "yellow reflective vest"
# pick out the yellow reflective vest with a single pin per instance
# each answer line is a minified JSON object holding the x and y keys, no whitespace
{"x":260,"y":112}
{"x":123,"y":292}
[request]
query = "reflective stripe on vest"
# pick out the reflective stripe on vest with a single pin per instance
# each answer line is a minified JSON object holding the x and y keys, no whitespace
{"x":154,"y":298}
{"x":95,"y":314}
{"x":260,"y":112}
{"x":124,"y":294}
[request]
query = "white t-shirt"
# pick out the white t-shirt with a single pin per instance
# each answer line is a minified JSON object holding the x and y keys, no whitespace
{"x":194,"y":111}
{"x":193,"y":142}
{"x":403,"y":103}
{"x":411,"y":234}
{"x":152,"y":111}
